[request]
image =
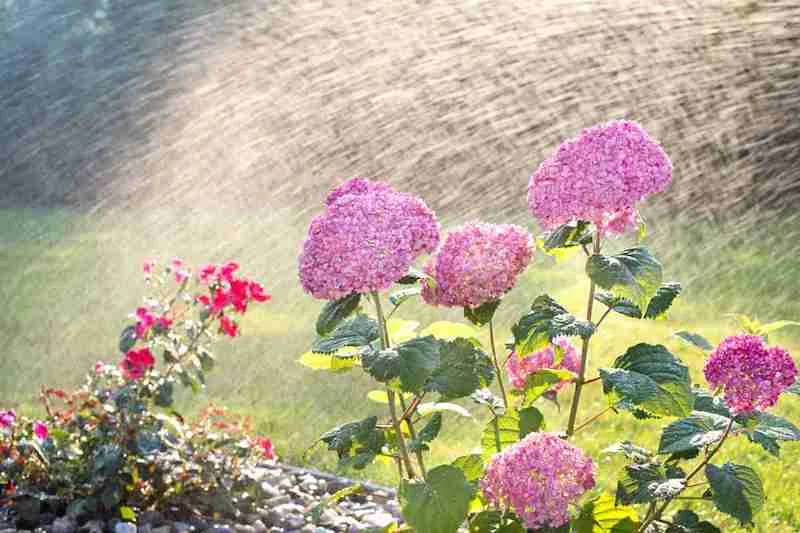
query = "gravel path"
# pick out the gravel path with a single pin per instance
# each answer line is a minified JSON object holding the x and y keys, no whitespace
{"x":291,"y":494}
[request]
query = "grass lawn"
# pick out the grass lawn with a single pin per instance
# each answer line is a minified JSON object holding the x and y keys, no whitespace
{"x":70,"y":280}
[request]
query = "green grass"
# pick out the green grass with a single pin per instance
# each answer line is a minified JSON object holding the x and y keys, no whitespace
{"x":71,"y":279}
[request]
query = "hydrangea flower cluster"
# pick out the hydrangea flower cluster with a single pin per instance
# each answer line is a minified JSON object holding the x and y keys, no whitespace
{"x":538,"y":478}
{"x":367,"y":238}
{"x":599,"y":176}
{"x":520,"y":368}
{"x":477,"y":263}
{"x":751,"y":374}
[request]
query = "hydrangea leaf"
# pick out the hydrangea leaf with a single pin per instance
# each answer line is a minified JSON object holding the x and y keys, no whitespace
{"x":412,"y":362}
{"x":380,"y":396}
{"x":400,"y":330}
{"x":635,"y":453}
{"x":447,"y":331}
{"x":414,"y":276}
{"x":399,"y":296}
{"x":505,"y":430}
{"x":633,"y":274}
{"x":339,"y":361}
{"x":495,"y":522}
{"x":564,"y":242}
{"x":356,"y":443}
{"x":703,"y":401}
{"x":693,"y":339}
{"x":736,"y":490}
{"x":618,"y":305}
{"x":471,"y":465}
{"x":769,"y":430}
{"x":462,"y":369}
{"x":541,"y":381}
{"x":483,"y":314}
{"x":360,"y":331}
{"x":663,"y":299}
{"x":335,"y":311}
{"x":692,"y":432}
{"x":602,"y":515}
{"x":648,"y":378}
{"x":687,"y":521}
{"x":646,"y":482}
{"x":545,"y":321}
{"x":426,"y":435}
{"x":438,"y":504}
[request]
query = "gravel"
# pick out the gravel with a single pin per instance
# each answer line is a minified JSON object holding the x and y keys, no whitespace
{"x":290,"y":495}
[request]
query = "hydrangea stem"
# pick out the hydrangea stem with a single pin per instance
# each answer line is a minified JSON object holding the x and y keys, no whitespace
{"x":413,"y":432}
{"x":401,"y":441}
{"x":497,"y":368}
{"x":573,"y":410}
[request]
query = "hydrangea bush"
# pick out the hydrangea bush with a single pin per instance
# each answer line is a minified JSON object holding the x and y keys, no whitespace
{"x":117,"y":445}
{"x":526,"y":473}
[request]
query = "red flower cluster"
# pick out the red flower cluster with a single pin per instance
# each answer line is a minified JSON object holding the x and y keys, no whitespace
{"x":136,"y":363}
{"x":266,"y":447}
{"x":146,"y":320}
{"x":227,"y":291}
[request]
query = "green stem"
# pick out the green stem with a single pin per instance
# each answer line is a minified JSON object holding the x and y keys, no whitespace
{"x":417,"y":453}
{"x":497,"y":365}
{"x":698,"y":468}
{"x":573,"y":410}
{"x":401,"y":441}
{"x":592,"y":419}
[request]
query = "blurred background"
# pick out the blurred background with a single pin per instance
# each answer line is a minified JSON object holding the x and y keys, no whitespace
{"x":212,"y":129}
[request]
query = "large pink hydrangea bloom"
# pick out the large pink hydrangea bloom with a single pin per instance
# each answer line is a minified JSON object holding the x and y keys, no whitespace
{"x":477,"y":263}
{"x":367,"y":238}
{"x":520,"y":368}
{"x":751,"y":374}
{"x":599,"y":176}
{"x":538,"y":478}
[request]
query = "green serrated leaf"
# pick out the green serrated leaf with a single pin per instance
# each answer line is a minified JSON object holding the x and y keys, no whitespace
{"x":495,"y":522}
{"x":649,"y":378}
{"x":356,"y":443}
{"x":618,"y":305}
{"x":635,"y":453}
{"x":335,"y":311}
{"x":399,"y":296}
{"x":339,"y":361}
{"x":687,"y":521}
{"x":568,"y":235}
{"x":463,"y":369}
{"x":426,"y":435}
{"x":127,"y":514}
{"x":541,"y":381}
{"x":662,"y":301}
{"x":737,"y":490}
{"x":693,"y":432}
{"x":769,"y":430}
{"x":438,"y":504}
{"x":357,"y":332}
{"x":693,"y":339}
{"x":412,"y":362}
{"x":505,"y":430}
{"x":481,"y":315}
{"x":602,"y":515}
{"x":471,"y":465}
{"x":647,"y":482}
{"x":544,"y":322}
{"x":316,"y":511}
{"x":633,"y":274}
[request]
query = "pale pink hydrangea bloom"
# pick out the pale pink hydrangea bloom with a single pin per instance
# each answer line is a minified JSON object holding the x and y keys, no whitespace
{"x":520,"y":368}
{"x":367,"y":238}
{"x":477,"y":263}
{"x":751,"y":374}
{"x":538,"y":478}
{"x":599,"y":176}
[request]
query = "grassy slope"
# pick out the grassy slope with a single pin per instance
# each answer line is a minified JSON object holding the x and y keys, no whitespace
{"x":69,"y":282}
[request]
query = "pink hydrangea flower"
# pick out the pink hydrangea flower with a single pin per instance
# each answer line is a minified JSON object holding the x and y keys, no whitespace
{"x":751,"y":374}
{"x":367,"y":238}
{"x":520,"y":368}
{"x":136,"y":363}
{"x":7,"y":418}
{"x":40,"y":430}
{"x":538,"y":478}
{"x":599,"y":176}
{"x":477,"y":263}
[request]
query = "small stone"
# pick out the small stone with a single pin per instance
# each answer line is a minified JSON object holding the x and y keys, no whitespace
{"x":66,"y":524}
{"x":92,"y":526}
{"x":145,"y":528}
{"x":285,"y":483}
{"x":379,"y":520}
{"x":269,"y":490}
{"x":182,"y":527}
{"x":162,"y":529}
{"x":153,"y":518}
{"x":46,"y":518}
{"x":219,"y":528}
{"x":124,"y":527}
{"x":277,"y":500}
{"x":40,"y":529}
{"x":244,"y":528}
{"x":9,"y":530}
{"x":259,"y":526}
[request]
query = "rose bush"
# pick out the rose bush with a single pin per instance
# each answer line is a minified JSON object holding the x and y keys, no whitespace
{"x":524,"y":477}
{"x":117,"y":445}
